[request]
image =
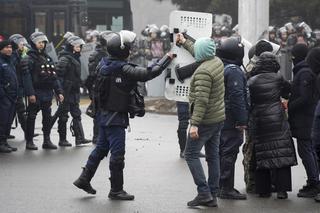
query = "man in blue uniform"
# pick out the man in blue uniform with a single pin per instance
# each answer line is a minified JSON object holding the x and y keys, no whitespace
{"x":8,"y":94}
{"x":117,"y":78}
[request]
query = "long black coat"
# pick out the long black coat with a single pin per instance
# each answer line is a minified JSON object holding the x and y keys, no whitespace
{"x":273,"y":146}
{"x":302,"y":101}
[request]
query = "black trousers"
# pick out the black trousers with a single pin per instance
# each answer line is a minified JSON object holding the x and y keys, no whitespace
{"x":280,"y":177}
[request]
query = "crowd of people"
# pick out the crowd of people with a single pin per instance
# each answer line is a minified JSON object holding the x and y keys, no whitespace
{"x":224,"y":102}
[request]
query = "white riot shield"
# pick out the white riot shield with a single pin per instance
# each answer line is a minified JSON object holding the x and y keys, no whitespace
{"x":86,"y":51}
{"x":196,"y":25}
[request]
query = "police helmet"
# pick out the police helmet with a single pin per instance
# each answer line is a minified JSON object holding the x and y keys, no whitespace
{"x":68,"y":35}
{"x":17,"y":39}
{"x":231,"y":49}
{"x":164,"y":31}
{"x":38,"y":36}
{"x":103,"y":37}
{"x":75,"y":40}
{"x":119,"y":44}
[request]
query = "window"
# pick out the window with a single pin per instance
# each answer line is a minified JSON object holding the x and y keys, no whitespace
{"x":40,"y":21}
{"x":58,"y":23}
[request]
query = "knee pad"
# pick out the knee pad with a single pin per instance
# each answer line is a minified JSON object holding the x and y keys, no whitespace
{"x":117,"y":163}
{"x":63,"y":119}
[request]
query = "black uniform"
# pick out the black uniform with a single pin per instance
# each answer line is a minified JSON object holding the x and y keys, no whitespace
{"x":40,"y":80}
{"x":94,"y":60}
{"x":69,"y":73}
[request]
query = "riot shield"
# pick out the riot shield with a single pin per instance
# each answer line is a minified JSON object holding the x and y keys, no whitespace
{"x":51,"y":51}
{"x":86,"y":51}
{"x":195,"y":25}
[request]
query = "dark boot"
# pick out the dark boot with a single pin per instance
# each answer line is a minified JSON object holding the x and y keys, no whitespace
{"x":83,"y":182}
{"x":31,"y":146}
{"x":63,"y":138}
{"x":310,"y":190}
{"x":4,"y":148}
{"x":47,"y":144}
{"x":95,"y":132}
{"x":64,"y":142}
{"x":78,"y":132}
{"x":282,"y":195}
{"x":231,"y":195}
{"x":116,"y":180}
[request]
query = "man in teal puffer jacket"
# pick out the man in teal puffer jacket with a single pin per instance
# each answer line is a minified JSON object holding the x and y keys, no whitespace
{"x":207,"y":114}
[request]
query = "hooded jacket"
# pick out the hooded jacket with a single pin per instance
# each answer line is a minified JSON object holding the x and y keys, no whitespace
{"x":207,"y":90}
{"x":302,"y":101}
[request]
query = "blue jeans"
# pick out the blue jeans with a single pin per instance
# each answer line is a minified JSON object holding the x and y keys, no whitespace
{"x":183,"y":117}
{"x":209,"y":136}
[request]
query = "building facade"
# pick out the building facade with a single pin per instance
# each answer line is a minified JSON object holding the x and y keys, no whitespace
{"x":55,"y":17}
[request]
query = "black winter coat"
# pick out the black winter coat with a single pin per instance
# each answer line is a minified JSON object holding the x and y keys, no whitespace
{"x":39,"y":73}
{"x":94,"y":60}
{"x":302,"y":101}
{"x":273,"y":146}
{"x":69,"y":71}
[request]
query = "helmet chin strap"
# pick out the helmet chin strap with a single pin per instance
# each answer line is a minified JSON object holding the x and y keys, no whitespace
{"x":121,"y":42}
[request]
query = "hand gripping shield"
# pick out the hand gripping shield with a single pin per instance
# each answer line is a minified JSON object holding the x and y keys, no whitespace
{"x":194,"y":25}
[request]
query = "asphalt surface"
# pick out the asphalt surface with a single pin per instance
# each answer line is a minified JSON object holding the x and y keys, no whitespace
{"x":41,"y":181}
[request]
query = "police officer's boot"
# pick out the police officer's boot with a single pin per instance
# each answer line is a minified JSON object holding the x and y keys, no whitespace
{"x":31,"y":146}
{"x":78,"y":132}
{"x":83,"y":182}
{"x":3,"y":147}
{"x":95,"y":132}
{"x":182,"y":137}
{"x":116,"y":180}
{"x":47,"y":143}
{"x":62,"y":129}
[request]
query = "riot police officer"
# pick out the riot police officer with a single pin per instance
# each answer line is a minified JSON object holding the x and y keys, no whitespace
{"x":69,"y":74}
{"x":118,"y":78}
{"x":94,"y":59}
{"x":8,"y":94}
{"x":231,"y":52}
{"x":40,"y":80}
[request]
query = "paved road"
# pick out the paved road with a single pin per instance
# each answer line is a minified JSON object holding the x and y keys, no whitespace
{"x":41,"y":181}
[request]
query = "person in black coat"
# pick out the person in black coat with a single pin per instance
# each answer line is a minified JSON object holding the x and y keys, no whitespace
{"x":313,"y":60}
{"x":273,"y":146}
{"x":301,"y":106}
{"x":94,"y":59}
{"x":69,"y":73}
{"x":40,"y":82}
{"x":231,"y":52}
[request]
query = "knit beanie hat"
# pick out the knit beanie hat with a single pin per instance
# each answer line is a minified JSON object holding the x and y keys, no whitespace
{"x":313,"y":59}
{"x":4,"y":43}
{"x":299,"y":53}
{"x":204,"y":49}
{"x":263,"y":46}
